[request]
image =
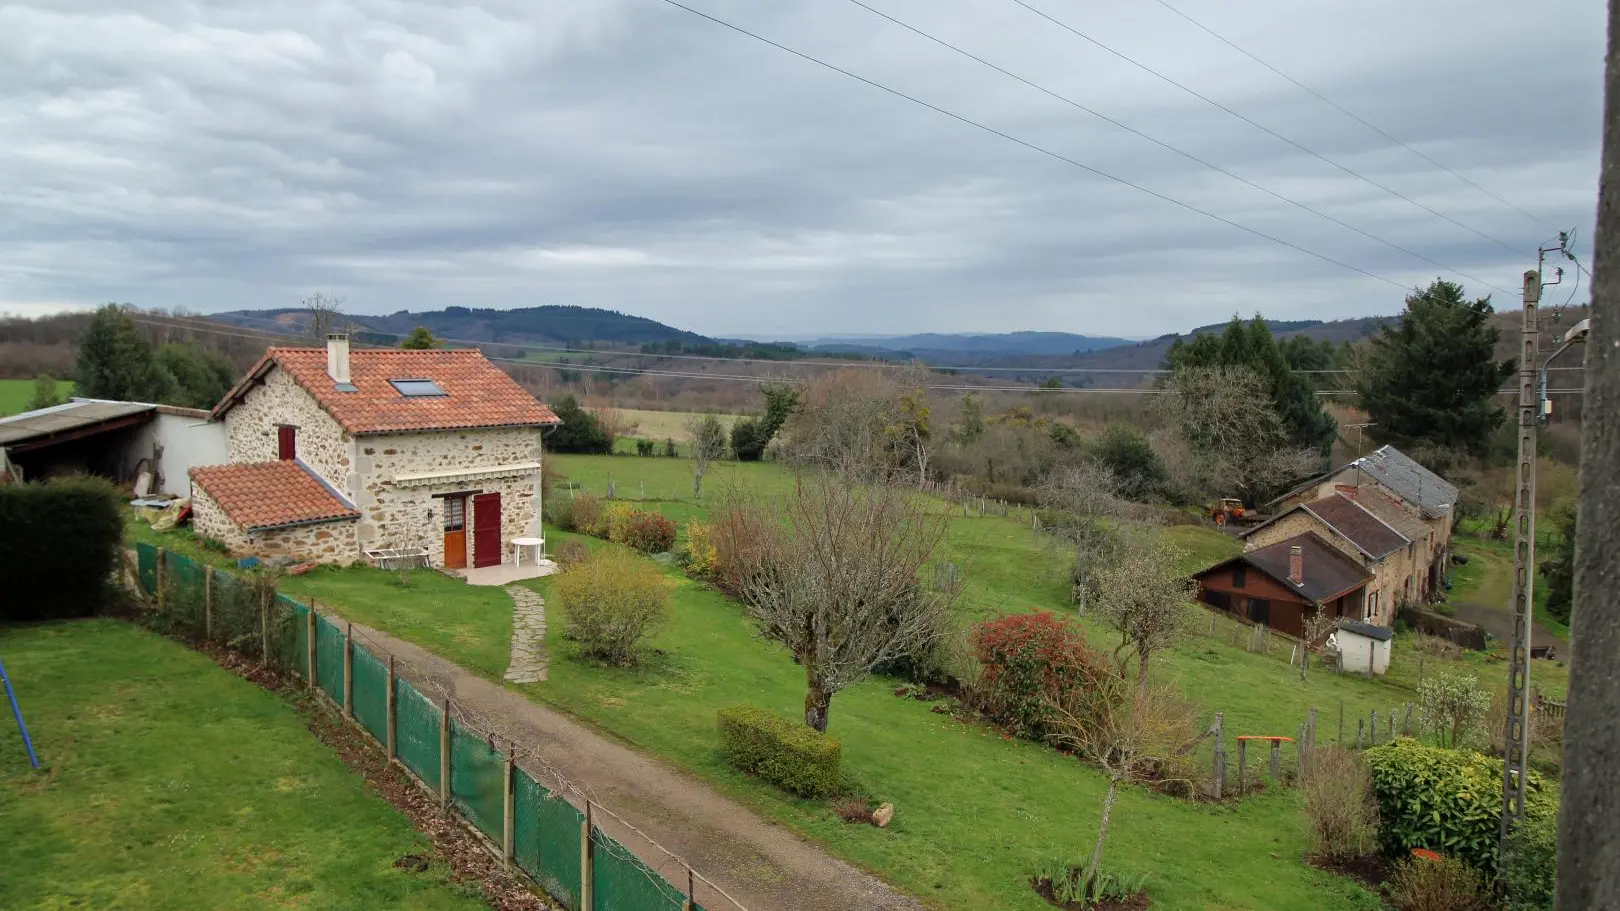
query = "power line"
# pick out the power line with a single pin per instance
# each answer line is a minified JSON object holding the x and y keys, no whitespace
{"x":1346,"y":111}
{"x":1259,"y":126}
{"x":1167,"y":146}
{"x":1030,"y":145}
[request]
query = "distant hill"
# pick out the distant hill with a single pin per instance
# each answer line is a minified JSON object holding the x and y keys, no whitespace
{"x":1149,"y":355}
{"x":1006,"y":343}
{"x":548,"y":325}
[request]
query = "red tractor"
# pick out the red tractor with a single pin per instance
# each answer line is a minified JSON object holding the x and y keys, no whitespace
{"x":1230,"y":511}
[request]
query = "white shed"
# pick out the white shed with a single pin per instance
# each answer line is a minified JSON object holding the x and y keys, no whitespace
{"x":1362,"y":646}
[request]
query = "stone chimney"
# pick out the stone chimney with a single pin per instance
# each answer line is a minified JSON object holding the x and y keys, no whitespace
{"x":1296,"y":564}
{"x":337,"y":357}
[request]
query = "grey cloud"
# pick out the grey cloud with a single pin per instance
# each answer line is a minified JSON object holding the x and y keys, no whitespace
{"x":628,"y":155}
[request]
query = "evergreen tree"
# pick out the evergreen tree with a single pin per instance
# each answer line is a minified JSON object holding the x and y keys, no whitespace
{"x":1129,"y":457}
{"x":1432,"y":377}
{"x":1559,"y":569}
{"x":750,"y":436}
{"x":580,"y":431}
{"x":1251,"y":344}
{"x":116,"y":363}
{"x":200,"y":378}
{"x":45,"y":393}
{"x":420,"y":339}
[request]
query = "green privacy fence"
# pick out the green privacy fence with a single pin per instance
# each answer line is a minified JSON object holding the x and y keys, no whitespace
{"x":539,"y":832}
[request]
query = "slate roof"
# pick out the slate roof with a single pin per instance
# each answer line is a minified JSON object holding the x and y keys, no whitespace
{"x":1363,"y":529}
{"x":477,"y":393}
{"x":260,"y":495}
{"x":1328,"y":572}
{"x":1409,"y":480}
{"x":1381,"y":633}
{"x":1373,"y":499}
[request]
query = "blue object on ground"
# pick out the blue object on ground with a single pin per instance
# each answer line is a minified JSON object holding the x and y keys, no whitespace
{"x":16,"y":711}
{"x":247,"y":562}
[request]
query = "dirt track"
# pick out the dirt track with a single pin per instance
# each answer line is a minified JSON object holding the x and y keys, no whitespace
{"x":762,"y":865}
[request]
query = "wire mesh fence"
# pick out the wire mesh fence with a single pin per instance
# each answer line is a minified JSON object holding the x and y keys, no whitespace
{"x":558,"y":837}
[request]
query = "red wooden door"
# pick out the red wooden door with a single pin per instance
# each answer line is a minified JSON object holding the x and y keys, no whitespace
{"x":486,"y":529}
{"x":286,"y":443}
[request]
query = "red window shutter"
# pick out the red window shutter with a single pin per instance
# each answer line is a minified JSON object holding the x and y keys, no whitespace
{"x":287,"y":443}
{"x":486,"y":529}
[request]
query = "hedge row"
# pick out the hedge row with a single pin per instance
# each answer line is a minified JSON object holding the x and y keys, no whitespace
{"x":786,"y":753}
{"x":59,"y":547}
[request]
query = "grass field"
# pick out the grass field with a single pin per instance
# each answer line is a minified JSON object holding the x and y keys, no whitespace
{"x":14,"y":394}
{"x":172,"y":783}
{"x":663,"y":425}
{"x":977,"y":812}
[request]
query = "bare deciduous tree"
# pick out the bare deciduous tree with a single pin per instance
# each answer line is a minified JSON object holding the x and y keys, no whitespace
{"x":1142,"y":593}
{"x":708,"y":443}
{"x":1127,"y":735}
{"x":325,"y":315}
{"x":1318,"y":627}
{"x":1227,"y":437}
{"x":837,"y":579}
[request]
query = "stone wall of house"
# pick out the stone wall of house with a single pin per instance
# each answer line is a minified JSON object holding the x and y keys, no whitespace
{"x":326,"y":542}
{"x":410,"y":515}
{"x":208,"y":520}
{"x":251,"y":429}
{"x":1392,"y":581}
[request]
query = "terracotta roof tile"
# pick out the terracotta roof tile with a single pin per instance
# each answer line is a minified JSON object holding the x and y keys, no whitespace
{"x":271,"y":494}
{"x":477,"y":393}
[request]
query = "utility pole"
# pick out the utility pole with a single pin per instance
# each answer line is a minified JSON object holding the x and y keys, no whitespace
{"x":1516,"y":753}
{"x":1589,"y":814}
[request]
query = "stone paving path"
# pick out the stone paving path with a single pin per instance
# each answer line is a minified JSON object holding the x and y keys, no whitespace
{"x":528,"y":636}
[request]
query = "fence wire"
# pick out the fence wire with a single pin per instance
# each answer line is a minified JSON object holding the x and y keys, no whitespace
{"x":246,"y":615}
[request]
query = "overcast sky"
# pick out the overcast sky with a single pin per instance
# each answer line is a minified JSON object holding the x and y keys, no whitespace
{"x":630,"y":155}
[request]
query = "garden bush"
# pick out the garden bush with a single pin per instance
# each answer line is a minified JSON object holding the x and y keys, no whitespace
{"x":614,"y":524}
{"x":1448,"y":801}
{"x":1031,"y":662}
{"x":740,"y":537}
{"x":699,"y":556}
{"x":1438,"y":884}
{"x":610,"y":602}
{"x":1454,"y":707}
{"x":584,"y":514}
{"x":1532,"y":865}
{"x":59,"y":547}
{"x":1339,"y":804}
{"x":784,"y":752}
{"x":650,"y":533}
{"x":572,"y":553}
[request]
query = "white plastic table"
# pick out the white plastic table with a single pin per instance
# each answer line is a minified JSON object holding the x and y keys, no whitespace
{"x":539,"y":545}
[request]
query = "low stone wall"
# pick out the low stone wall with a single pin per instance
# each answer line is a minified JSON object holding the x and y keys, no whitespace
{"x":1464,"y":634}
{"x":326,"y":542}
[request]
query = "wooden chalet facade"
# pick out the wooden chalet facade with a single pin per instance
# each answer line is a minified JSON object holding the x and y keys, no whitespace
{"x":1283,"y":584}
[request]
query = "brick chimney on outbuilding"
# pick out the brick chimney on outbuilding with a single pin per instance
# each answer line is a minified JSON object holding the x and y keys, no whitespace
{"x":1296,"y":565}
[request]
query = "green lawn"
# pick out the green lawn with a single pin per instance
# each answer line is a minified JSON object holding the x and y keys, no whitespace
{"x":977,"y":811}
{"x":171,"y":783}
{"x":15,"y":394}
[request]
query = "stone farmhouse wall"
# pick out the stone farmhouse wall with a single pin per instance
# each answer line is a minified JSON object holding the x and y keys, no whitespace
{"x":1428,"y":551}
{"x":326,"y":542}
{"x":251,"y":429}
{"x":1392,"y":576}
{"x":408,"y":514}
{"x":208,"y":520}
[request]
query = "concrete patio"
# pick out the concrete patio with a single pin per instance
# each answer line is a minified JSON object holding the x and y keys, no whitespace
{"x":506,"y":573}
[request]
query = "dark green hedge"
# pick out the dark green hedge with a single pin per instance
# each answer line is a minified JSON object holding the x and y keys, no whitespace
{"x":59,"y":547}
{"x":786,"y":753}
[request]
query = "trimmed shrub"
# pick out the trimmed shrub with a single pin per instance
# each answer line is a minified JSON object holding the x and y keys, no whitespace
{"x":1532,"y":865}
{"x":699,"y":556}
{"x":610,"y":602}
{"x":59,"y":547}
{"x":1339,"y":805}
{"x":1442,"y":884}
{"x":786,"y":753}
{"x":1032,"y":662}
{"x":1448,"y":801}
{"x":650,"y":533}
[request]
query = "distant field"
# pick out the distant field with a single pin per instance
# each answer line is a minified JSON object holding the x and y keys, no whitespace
{"x":664,"y":425}
{"x":14,"y":394}
{"x":172,"y":783}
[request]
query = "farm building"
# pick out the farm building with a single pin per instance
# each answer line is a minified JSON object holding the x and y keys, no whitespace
{"x":335,"y":454}
{"x":1283,"y":584}
{"x":1360,"y":535}
{"x":1362,"y":646}
{"x":120,"y":441}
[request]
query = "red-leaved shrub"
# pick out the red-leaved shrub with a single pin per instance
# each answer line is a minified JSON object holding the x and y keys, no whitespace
{"x":650,"y":533}
{"x":742,"y":538}
{"x":1032,"y":662}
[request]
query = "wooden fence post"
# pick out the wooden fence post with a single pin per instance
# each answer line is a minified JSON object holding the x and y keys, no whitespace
{"x":208,"y":603}
{"x":1392,"y":723}
{"x":1243,"y":764}
{"x":162,"y":559}
{"x":691,"y":891}
{"x":264,"y":627}
{"x":393,"y":743}
{"x":1372,"y":730}
{"x":444,"y":755}
{"x":309,"y":643}
{"x":1360,"y":723}
{"x":1406,"y":722}
{"x":1276,"y":757}
{"x":1217,"y":774}
{"x":348,"y":670}
{"x":508,"y":809}
{"x":587,"y":861}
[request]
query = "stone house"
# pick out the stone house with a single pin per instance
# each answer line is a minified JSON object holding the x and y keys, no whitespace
{"x":1420,"y":504}
{"x":1358,"y":534}
{"x":333,"y":453}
